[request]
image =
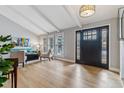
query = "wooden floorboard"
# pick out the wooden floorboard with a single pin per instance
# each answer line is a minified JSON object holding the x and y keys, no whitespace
{"x":59,"y":74}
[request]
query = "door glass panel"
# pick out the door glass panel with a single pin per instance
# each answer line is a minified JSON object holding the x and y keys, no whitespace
{"x":84,"y":37}
{"x":93,"y":36}
{"x":78,"y":45}
{"x":104,"y":46}
{"x":89,"y":32}
{"x":94,"y":32}
{"x":84,"y":33}
{"x":89,"y":37}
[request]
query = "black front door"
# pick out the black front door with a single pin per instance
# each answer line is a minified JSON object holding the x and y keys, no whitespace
{"x":90,"y":47}
{"x":93,"y":47}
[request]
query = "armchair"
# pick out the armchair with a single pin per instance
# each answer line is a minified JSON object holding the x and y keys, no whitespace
{"x":48,"y":55}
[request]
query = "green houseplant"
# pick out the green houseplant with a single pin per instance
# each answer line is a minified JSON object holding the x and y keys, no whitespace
{"x":5,"y":65}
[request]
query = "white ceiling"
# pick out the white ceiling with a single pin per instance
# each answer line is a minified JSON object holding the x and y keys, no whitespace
{"x":103,"y":12}
{"x":43,"y":19}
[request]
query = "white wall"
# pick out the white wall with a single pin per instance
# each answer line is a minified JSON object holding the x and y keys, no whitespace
{"x":122,"y":59}
{"x":8,"y":27}
{"x":69,"y":43}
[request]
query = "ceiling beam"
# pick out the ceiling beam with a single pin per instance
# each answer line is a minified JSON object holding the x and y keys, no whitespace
{"x":46,"y":18}
{"x":26,"y":18}
{"x":72,"y":14}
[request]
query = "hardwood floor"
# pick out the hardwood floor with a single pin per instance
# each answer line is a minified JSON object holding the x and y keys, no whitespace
{"x":58,"y":74}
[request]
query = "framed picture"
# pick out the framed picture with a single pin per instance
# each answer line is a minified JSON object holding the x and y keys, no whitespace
{"x":24,"y":42}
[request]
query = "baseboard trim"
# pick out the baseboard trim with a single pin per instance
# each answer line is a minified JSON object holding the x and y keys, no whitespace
{"x":114,"y":69}
{"x":67,"y":60}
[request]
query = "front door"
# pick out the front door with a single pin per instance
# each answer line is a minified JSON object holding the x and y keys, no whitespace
{"x":93,"y":47}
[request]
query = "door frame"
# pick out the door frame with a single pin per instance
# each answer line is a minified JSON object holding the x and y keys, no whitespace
{"x":108,"y":27}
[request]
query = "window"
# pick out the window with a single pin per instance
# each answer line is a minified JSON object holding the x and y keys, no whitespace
{"x":90,"y":35}
{"x":78,"y":45}
{"x":51,"y":42}
{"x":44,"y":44}
{"x":104,"y":46}
{"x":60,"y":44}
{"x":54,"y":42}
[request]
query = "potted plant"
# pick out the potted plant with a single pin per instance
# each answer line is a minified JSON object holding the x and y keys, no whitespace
{"x":5,"y":65}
